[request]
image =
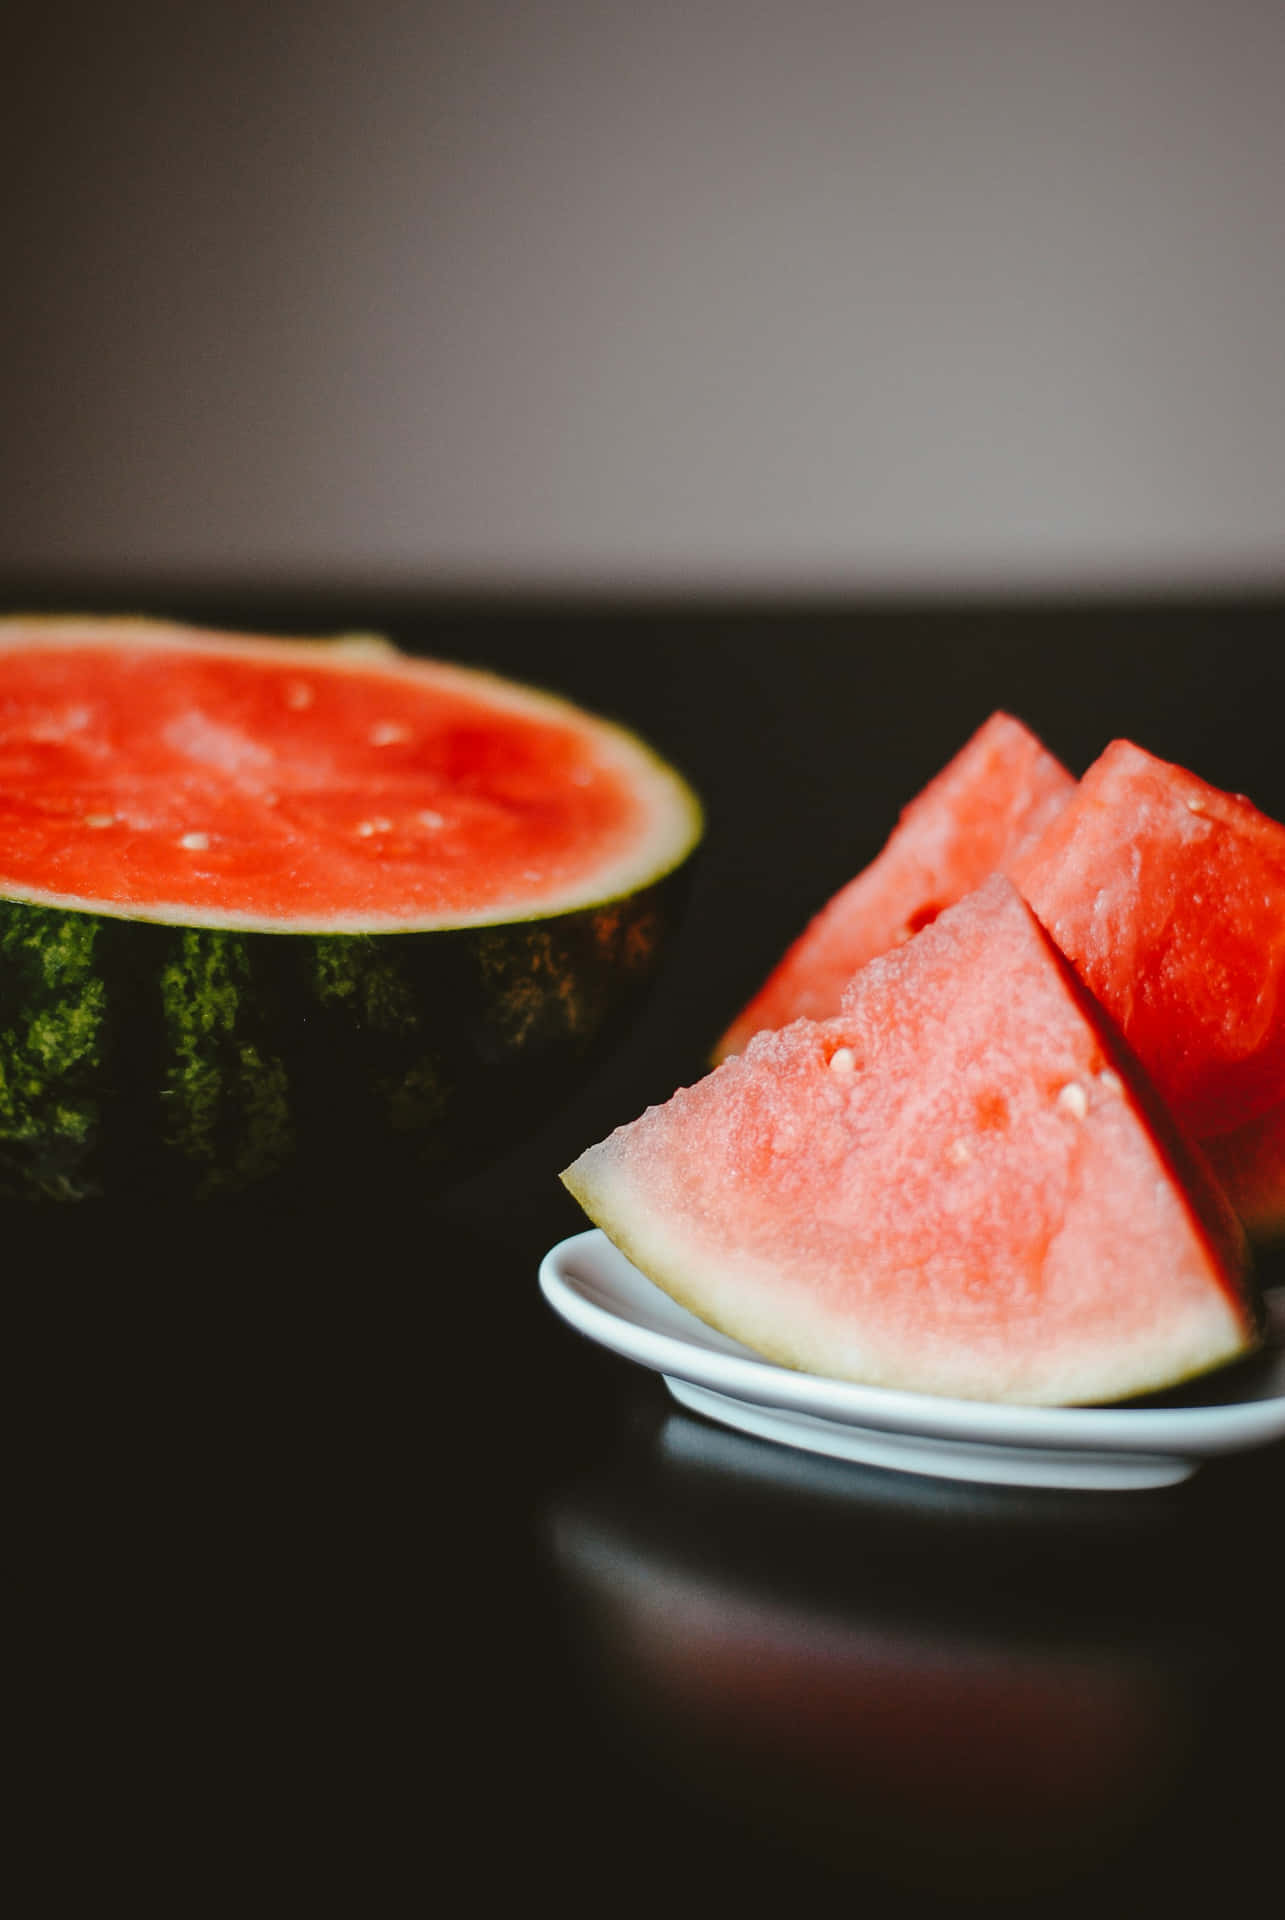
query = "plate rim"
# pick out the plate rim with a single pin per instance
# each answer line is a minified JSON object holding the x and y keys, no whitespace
{"x":1199,"y":1432}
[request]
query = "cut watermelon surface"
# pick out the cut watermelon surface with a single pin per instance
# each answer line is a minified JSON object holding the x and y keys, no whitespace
{"x":960,"y":1185}
{"x":1250,"y":1162}
{"x":996,"y":795}
{"x":162,"y":773}
{"x":1168,"y":897}
{"x":272,"y":903}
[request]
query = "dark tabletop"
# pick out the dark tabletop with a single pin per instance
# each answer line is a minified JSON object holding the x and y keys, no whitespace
{"x":349,"y":1545}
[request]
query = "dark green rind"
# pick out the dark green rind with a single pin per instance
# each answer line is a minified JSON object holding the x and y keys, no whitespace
{"x":53,"y":1015}
{"x":152,"y":1063}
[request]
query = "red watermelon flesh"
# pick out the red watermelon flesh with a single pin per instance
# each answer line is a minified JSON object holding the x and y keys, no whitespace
{"x":337,"y":784}
{"x":1168,"y":898}
{"x":1000,"y":791}
{"x":1250,"y":1162}
{"x":961,"y":1184}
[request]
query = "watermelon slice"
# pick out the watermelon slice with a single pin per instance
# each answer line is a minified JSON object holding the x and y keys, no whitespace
{"x":267,"y":900}
{"x":1250,"y":1162}
{"x":999,"y":792}
{"x":1168,"y":897}
{"x":961,"y":1184}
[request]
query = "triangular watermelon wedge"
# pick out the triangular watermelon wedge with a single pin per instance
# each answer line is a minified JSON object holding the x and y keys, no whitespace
{"x":999,"y":792}
{"x":960,"y":1185}
{"x":1168,"y":897}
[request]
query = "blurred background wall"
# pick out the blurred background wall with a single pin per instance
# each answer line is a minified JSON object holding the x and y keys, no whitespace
{"x":679,"y":294}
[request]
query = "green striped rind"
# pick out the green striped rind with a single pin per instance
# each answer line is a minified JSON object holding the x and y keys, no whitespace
{"x":138,"y":1058}
{"x":53,"y":1008}
{"x":225,"y":1098}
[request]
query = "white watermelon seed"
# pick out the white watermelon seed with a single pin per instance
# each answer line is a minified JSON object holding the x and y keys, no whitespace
{"x":1111,"y":1080}
{"x":100,"y":819}
{"x":299,"y":695}
{"x":1073,"y":1099}
{"x":367,"y":827}
{"x":843,"y":1060}
{"x":195,"y":842}
{"x":388,"y":733}
{"x":430,"y":819}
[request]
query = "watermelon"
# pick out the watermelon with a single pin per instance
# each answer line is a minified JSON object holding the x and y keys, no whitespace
{"x":1250,"y":1162}
{"x":1000,"y":790}
{"x":273,"y":903}
{"x":961,"y":1184}
{"x":1168,"y":897}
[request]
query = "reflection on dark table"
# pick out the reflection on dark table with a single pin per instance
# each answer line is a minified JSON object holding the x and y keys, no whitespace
{"x":380,"y":1564}
{"x":925,"y":1687}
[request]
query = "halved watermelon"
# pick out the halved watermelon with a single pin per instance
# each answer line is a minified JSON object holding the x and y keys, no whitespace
{"x":961,"y":1185}
{"x":1000,"y":790}
{"x":1168,"y":897}
{"x":270,"y":899}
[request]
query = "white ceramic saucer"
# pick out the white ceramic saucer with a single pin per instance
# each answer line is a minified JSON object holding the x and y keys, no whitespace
{"x":596,"y":1290}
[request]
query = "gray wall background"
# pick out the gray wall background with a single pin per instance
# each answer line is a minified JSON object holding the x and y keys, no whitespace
{"x":705,"y":295}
